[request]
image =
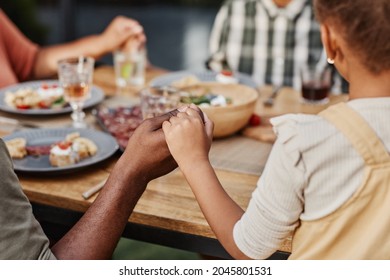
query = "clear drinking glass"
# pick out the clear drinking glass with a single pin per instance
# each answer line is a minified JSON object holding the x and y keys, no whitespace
{"x":130,"y":67}
{"x":316,"y":83}
{"x":75,"y":75}
{"x":156,"y":101}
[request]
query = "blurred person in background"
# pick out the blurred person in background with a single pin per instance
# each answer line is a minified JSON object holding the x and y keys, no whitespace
{"x":267,"y":39}
{"x":22,"y":60}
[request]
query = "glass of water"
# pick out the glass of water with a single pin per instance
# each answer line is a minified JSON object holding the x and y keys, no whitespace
{"x":130,"y":67}
{"x":156,"y":101}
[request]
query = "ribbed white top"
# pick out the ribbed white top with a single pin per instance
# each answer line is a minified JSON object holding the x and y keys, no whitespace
{"x":311,"y":171}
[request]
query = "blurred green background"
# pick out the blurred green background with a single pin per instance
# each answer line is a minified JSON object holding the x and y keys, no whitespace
{"x":24,"y":14}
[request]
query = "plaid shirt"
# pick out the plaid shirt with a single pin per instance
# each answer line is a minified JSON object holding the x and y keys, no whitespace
{"x":269,"y":43}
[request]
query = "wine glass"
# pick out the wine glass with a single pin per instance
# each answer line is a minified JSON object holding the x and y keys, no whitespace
{"x":75,"y":75}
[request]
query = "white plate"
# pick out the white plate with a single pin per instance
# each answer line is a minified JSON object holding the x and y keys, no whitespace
{"x":105,"y":143}
{"x":204,"y":76}
{"x":97,"y":96}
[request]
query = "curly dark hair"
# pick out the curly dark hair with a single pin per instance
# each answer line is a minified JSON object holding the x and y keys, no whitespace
{"x":365,"y":26}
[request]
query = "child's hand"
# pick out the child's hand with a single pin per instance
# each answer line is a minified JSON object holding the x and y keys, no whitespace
{"x":189,"y":136}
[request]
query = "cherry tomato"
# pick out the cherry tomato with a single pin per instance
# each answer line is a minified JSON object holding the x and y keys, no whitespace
{"x":255,"y":120}
{"x":23,"y":106}
{"x":64,"y":145}
{"x":227,"y":73}
{"x":43,"y":105}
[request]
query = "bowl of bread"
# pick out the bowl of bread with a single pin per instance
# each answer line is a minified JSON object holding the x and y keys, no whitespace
{"x":229,"y":106}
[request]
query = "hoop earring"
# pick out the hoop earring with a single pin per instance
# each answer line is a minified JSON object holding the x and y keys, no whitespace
{"x":330,"y":61}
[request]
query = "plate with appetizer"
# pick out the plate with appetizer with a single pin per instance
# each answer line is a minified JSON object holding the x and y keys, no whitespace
{"x":182,"y":79}
{"x":41,"y":98}
{"x":58,"y":150}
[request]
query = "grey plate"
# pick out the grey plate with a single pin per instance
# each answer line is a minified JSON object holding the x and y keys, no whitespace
{"x":97,"y":96}
{"x":106,"y":144}
{"x":204,"y":76}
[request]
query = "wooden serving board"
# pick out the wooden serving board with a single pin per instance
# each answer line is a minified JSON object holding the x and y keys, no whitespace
{"x":288,"y":101}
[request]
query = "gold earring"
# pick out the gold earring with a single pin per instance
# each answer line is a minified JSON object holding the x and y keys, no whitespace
{"x":330,"y":61}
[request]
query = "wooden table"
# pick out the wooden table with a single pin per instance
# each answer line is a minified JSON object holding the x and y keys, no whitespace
{"x":167,"y":212}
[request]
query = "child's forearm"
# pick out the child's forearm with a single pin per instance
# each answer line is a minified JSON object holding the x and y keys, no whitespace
{"x":220,"y":210}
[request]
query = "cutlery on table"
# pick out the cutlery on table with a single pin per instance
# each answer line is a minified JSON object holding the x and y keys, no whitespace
{"x":87,"y":194}
{"x":16,"y":123}
{"x":270,"y":100}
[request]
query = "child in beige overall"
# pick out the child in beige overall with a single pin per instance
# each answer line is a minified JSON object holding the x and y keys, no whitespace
{"x":327,"y":179}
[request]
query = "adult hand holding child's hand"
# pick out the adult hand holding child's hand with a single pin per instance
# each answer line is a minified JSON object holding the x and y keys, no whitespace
{"x":147,"y":149}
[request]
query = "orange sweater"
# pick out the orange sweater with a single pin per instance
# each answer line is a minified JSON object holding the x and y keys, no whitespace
{"x":17,"y":53}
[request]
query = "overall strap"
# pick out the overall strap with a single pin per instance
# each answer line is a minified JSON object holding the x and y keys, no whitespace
{"x":362,"y":137}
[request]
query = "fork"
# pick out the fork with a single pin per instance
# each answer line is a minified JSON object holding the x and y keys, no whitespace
{"x":16,"y":123}
{"x":270,"y":100}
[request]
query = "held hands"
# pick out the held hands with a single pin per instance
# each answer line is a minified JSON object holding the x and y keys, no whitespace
{"x":147,"y":151}
{"x":189,"y":136}
{"x":122,"y":31}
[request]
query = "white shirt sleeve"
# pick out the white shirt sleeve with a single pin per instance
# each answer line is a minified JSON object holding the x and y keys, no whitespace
{"x":277,"y":202}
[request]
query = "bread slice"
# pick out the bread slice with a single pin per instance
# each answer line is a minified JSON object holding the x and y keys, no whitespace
{"x":85,"y":147}
{"x":62,"y":160}
{"x":17,"y":148}
{"x":72,"y":136}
